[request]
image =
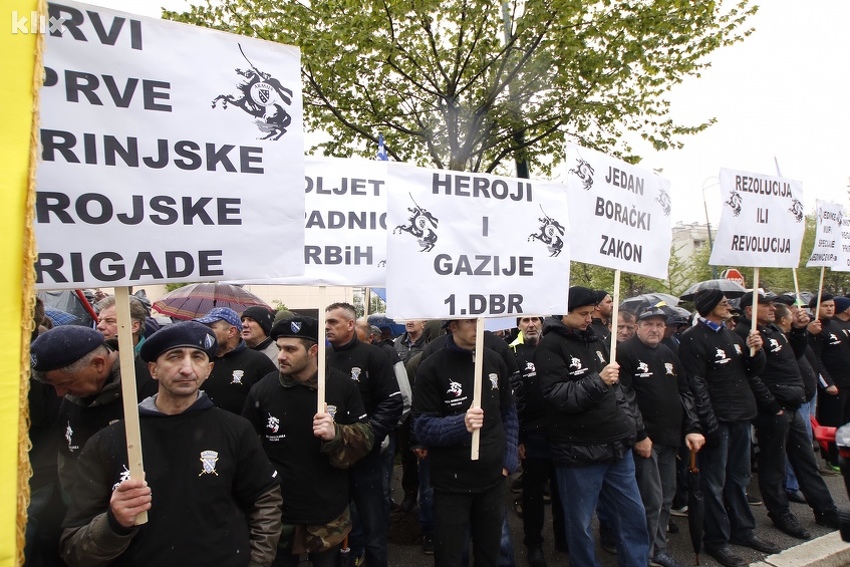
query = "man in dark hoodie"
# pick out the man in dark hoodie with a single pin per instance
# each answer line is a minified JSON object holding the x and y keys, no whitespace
{"x":782,"y":432}
{"x":592,"y":430}
{"x":469,"y":496}
{"x":724,"y":379}
{"x":212,"y":495}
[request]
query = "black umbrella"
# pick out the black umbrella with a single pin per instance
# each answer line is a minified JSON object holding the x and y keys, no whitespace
{"x":729,"y":288}
{"x":696,"y":506}
{"x":640,"y":302}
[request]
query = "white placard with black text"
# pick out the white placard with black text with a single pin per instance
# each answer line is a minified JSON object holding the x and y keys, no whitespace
{"x":828,"y":223}
{"x":169,"y":153}
{"x":619,"y":214}
{"x":464,"y":245}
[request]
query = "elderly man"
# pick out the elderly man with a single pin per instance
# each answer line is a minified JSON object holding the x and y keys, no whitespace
{"x":237,"y":367}
{"x":256,"y":324}
{"x":724,"y":379}
{"x":85,"y":372}
{"x":312,"y":451}
{"x":592,"y":430}
{"x":212,"y":495}
{"x":655,"y":376}
{"x":783,"y":432}
{"x":372,"y":370}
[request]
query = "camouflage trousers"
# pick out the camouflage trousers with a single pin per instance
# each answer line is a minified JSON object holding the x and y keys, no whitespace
{"x":304,"y":538}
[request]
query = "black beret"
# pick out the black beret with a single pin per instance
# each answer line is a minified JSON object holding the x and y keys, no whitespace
{"x":706,"y":300}
{"x":299,"y":326}
{"x":747,"y":299}
{"x":813,"y":303}
{"x":262,"y":316}
{"x":580,"y":296}
{"x":842,"y":304}
{"x":653,"y":312}
{"x":186,"y":334}
{"x":63,"y":345}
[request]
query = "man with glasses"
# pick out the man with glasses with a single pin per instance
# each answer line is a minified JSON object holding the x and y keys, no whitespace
{"x":724,"y":378}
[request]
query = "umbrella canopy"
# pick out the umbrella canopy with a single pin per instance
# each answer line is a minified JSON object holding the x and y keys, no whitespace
{"x":675,"y":314}
{"x":60,"y":317}
{"x":639,"y":303}
{"x":729,"y":288}
{"x":196,"y":300}
{"x":696,"y":506}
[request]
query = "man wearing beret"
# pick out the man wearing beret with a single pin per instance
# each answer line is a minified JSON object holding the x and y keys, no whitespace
{"x":653,"y":374}
{"x":724,"y":378}
{"x":592,"y":429}
{"x":779,"y":426}
{"x":85,"y":372}
{"x":237,"y":367}
{"x":212,"y":496}
{"x":256,"y":325}
{"x":311,"y":451}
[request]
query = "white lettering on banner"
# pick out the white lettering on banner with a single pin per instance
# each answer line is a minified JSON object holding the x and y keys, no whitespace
{"x":353,"y":186}
{"x":94,"y":208}
{"x":187,"y":154}
{"x":112,"y":266}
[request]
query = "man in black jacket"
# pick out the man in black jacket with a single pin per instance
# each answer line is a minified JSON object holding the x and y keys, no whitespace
{"x":367,"y":365}
{"x":724,"y":379}
{"x":781,"y":432}
{"x":469,"y":495}
{"x":592,"y":430}
{"x":655,"y":375}
{"x":311,"y":451}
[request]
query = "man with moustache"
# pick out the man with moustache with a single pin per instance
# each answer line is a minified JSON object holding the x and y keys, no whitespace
{"x":724,"y":379}
{"x":653,"y":374}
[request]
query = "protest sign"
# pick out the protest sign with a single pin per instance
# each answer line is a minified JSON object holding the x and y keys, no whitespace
{"x":826,"y":249}
{"x":619,"y":214}
{"x":168,"y":153}
{"x":843,"y":246}
{"x":474,"y":245}
{"x":345,"y":224}
{"x":761,"y":224}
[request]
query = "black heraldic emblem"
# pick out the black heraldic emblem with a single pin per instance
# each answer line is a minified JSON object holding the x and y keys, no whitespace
{"x":421,"y":225}
{"x":550,"y":233}
{"x":262,"y":96}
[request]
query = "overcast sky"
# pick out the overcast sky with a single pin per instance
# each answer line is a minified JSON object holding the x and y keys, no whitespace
{"x":779,"y":94}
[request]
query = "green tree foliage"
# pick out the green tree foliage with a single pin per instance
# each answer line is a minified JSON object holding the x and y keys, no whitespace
{"x":471,"y":85}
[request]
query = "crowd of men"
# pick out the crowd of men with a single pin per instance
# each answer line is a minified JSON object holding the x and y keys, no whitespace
{"x":246,"y":465}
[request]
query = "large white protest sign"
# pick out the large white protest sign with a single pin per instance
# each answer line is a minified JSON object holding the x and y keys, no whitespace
{"x":827,"y":247}
{"x":761,"y":224}
{"x":843,"y":249}
{"x":619,"y":214}
{"x":168,"y":153}
{"x":345,"y":229}
{"x":474,"y":245}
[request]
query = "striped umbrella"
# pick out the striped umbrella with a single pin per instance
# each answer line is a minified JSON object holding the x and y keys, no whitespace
{"x":196,"y":300}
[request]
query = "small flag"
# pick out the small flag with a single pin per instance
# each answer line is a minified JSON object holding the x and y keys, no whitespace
{"x":382,"y":150}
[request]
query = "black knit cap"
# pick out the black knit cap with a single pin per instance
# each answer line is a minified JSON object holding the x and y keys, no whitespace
{"x":185,"y":334}
{"x":262,"y":316}
{"x":299,"y":326}
{"x":63,"y":345}
{"x":706,"y":300}
{"x":580,"y":296}
{"x":813,"y":303}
